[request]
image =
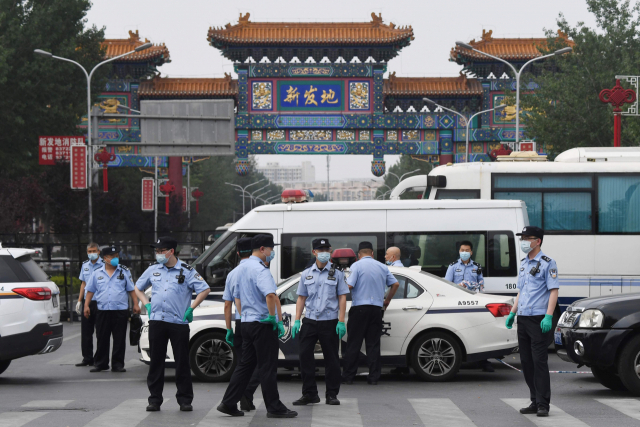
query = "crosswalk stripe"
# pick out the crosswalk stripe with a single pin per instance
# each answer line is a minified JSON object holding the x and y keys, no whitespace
{"x":17,"y":419}
{"x":215,"y":418}
{"x":440,"y":413}
{"x":128,"y":413}
{"x":629,"y":407}
{"x":557,"y":417}
{"x":346,"y":414}
{"x":46,"y":404}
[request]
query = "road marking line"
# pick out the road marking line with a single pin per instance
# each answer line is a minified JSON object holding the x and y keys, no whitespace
{"x":557,"y":417}
{"x":629,"y":407}
{"x":115,"y":380}
{"x":46,"y":404}
{"x":215,"y":418}
{"x":17,"y":419}
{"x":346,"y":414}
{"x":440,"y":413}
{"x":128,"y":413}
{"x":70,"y":337}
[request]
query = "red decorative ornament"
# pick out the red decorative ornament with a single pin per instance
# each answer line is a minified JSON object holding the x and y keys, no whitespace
{"x":104,"y":157}
{"x":503,"y":151}
{"x":197,"y":194}
{"x":618,"y":96}
{"x":167,"y":188}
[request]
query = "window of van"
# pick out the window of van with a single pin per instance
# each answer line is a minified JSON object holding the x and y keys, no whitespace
{"x":457,"y":194}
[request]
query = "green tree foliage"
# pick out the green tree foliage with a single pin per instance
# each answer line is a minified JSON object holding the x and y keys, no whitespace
{"x":404,"y":165}
{"x":566,"y":111}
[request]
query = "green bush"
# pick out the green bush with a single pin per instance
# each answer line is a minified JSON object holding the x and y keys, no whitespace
{"x":74,"y":283}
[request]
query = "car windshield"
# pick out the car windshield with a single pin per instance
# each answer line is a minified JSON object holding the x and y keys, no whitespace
{"x":289,"y":280}
{"x":447,"y":282}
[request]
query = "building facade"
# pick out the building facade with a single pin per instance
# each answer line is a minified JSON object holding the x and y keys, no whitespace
{"x":350,"y":190}
{"x":281,"y":174}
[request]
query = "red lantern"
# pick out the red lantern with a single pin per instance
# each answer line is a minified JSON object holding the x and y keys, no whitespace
{"x":167,"y":188}
{"x":104,"y":157}
{"x":197,"y":194}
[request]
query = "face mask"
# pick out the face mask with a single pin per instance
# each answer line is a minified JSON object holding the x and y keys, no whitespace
{"x":115,"y":261}
{"x":465,"y":255}
{"x":324,"y":257}
{"x":525,"y":245}
{"x":271,"y":256}
{"x":161,"y":259}
{"x":388,"y":262}
{"x":93,"y":257}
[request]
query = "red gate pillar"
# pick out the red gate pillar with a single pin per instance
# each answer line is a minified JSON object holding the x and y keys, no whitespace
{"x":175,"y":176}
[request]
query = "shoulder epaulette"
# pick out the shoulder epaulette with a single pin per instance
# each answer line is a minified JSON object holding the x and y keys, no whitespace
{"x":86,"y":261}
{"x":124,"y":267}
{"x":476,"y":263}
{"x":523,"y":259}
{"x":546,"y":258}
{"x":187,"y":266}
{"x":453,"y":263}
{"x":152,"y":263}
{"x":263,"y":264}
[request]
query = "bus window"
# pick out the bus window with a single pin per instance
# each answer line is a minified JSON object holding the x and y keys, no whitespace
{"x":457,"y":194}
{"x":532,"y":200}
{"x":224,"y":260}
{"x":619,"y":204}
{"x":502,"y":255}
{"x":296,"y":248}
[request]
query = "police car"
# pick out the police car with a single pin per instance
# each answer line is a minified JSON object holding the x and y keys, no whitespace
{"x":431,"y":325}
{"x":29,"y":308}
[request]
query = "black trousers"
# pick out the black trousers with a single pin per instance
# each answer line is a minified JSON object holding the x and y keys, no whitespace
{"x":111,"y":323}
{"x":87,"y":326}
{"x":534,"y":357}
{"x":254,"y":382}
{"x":364,"y":324}
{"x":160,"y":333}
{"x":259,"y":348}
{"x":324,"y":331}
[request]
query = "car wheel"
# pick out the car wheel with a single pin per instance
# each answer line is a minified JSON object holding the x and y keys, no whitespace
{"x":436,"y":356}
{"x":629,"y":366}
{"x":4,"y":364}
{"x":212,"y":358}
{"x":608,"y":378}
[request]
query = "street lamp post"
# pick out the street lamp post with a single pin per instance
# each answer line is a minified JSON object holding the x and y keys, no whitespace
{"x":273,"y":199}
{"x":244,"y":190}
{"x":499,"y":107}
{"x":88,"y":76}
{"x":517,"y":74}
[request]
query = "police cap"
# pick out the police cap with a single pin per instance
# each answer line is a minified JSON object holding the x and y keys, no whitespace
{"x":532,"y":230}
{"x":244,"y":244}
{"x":320,"y":243}
{"x":365,"y":245}
{"x":109,"y":250}
{"x":260,"y":240}
{"x":165,"y":243}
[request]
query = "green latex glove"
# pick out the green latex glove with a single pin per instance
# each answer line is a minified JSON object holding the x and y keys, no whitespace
{"x":148,"y":307}
{"x":280,"y":329}
{"x":341,"y":329}
{"x":295,"y":329}
{"x":509,"y":323}
{"x":271,"y":319}
{"x":229,"y":337}
{"x":238,"y":317}
{"x":547,"y":323}
{"x":188,"y":315}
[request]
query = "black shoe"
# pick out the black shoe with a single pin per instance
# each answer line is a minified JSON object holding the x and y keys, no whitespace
{"x":400,"y":370}
{"x":83,"y":363}
{"x":97,"y":370}
{"x":543,"y":412}
{"x":346,"y":381}
{"x":372,"y":382}
{"x":186,"y":408}
{"x":246,"y":404}
{"x":152,"y":408}
{"x":531,"y":409}
{"x":118,"y":370}
{"x":305,"y":400}
{"x":487,"y":367}
{"x":332,"y":400}
{"x":230,"y":410}
{"x":286,"y":414}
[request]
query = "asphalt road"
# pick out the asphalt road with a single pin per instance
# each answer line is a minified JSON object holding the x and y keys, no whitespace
{"x":48,"y":390}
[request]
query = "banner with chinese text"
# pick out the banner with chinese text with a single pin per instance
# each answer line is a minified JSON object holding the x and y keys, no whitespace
{"x":52,"y":149}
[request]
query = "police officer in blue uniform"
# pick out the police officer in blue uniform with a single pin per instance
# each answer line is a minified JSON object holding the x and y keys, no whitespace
{"x":110,"y":284}
{"x":534,"y":305}
{"x":235,"y":339}
{"x":88,"y":325}
{"x":465,"y":271}
{"x":170,"y":312}
{"x":260,"y":333}
{"x":368,"y":282}
{"x":323,"y":292}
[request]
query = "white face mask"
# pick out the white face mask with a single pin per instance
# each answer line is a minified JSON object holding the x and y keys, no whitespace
{"x":525,"y":246}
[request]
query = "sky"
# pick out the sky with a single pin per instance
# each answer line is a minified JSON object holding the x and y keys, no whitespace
{"x":182,"y":25}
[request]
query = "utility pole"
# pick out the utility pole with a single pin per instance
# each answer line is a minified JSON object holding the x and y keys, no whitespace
{"x":328,"y":193}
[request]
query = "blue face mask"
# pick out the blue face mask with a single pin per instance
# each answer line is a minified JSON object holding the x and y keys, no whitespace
{"x":161,"y":259}
{"x":93,"y":257}
{"x":388,"y":262}
{"x":525,"y":246}
{"x":271,"y":256}
{"x":115,"y":261}
{"x":324,"y":257}
{"x":465,"y":255}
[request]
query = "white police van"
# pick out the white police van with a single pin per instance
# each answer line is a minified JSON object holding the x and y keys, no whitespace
{"x":29,"y":308}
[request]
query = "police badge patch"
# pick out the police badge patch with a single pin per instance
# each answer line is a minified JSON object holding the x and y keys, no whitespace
{"x":553,"y":272}
{"x":199,"y":277}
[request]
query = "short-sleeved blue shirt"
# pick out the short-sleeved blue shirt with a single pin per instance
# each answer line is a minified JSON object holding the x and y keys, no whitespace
{"x":86,"y":269}
{"x":169,"y":298}
{"x":534,"y":290}
{"x":397,"y":263}
{"x":369,"y":280}
{"x":469,"y":274}
{"x":254,"y":285}
{"x":111,"y":292}
{"x":231,"y":284}
{"x":322,"y":292}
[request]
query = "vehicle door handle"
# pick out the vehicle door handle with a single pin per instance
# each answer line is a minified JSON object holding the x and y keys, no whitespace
{"x":412,"y":307}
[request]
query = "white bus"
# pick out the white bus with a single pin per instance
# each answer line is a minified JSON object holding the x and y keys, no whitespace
{"x":587,"y":201}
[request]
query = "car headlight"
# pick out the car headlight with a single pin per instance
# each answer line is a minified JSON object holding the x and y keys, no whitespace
{"x":591,"y":319}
